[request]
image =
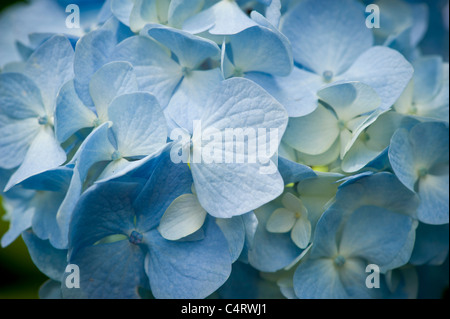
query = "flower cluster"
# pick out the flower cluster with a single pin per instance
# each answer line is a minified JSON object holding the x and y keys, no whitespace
{"x":230,"y":149}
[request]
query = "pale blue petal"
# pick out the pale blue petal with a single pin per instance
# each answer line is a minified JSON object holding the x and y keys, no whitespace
{"x":44,"y":153}
{"x":92,"y":51}
{"x":111,"y":80}
{"x":250,"y":49}
{"x":122,"y":10}
{"x":320,"y":40}
{"x":221,"y":187}
{"x":234,"y":231}
{"x":49,"y":260}
{"x":318,"y":279}
{"x":325,"y":235}
{"x":71,"y":114}
{"x":225,"y":17}
{"x":375,"y":234}
{"x":430,"y":144}
{"x":139,"y":125}
{"x":112,"y":270}
{"x":16,"y":138}
{"x":281,"y":221}
{"x":297,"y":91}
{"x":301,"y":232}
{"x":53,"y":180}
{"x":205,"y":266}
{"x":383,"y":69}
{"x":44,"y":223}
{"x":273,"y":13}
{"x":190,"y":50}
{"x":314,"y":133}
{"x":20,"y":220}
{"x":167,"y":182}
{"x":428,"y":74}
{"x":95,"y":148}
{"x":183,"y":217}
{"x":293,"y":172}
{"x":324,"y":159}
{"x":156,"y":72}
{"x":270,"y":251}
{"x":433,"y":193}
{"x":103,"y":210}
{"x":180,"y":10}
{"x":187,"y":103}
{"x":224,"y":192}
{"x":401,"y":157}
{"x":20,"y":97}
{"x":50,"y":66}
{"x":350,"y":99}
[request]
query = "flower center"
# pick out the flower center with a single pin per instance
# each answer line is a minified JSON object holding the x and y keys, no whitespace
{"x":43,"y":120}
{"x":341,"y":124}
{"x":238,"y":72}
{"x":186,"y":71}
{"x":327,"y":76}
{"x":339,"y":260}
{"x":116,"y":155}
{"x":135,"y":237}
{"x":422,"y":172}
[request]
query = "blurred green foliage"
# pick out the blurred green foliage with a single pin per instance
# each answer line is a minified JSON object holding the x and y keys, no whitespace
{"x":19,"y":277}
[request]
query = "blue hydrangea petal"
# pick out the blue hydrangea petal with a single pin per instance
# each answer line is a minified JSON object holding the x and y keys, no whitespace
{"x":187,"y":103}
{"x":224,"y":17}
{"x":250,"y":49}
{"x":314,"y":133}
{"x":168,"y":181}
{"x":139,"y":125}
{"x":190,"y":50}
{"x":44,"y":153}
{"x":111,"y":270}
{"x":428,"y":74}
{"x":383,"y":69}
{"x":183,"y":217}
{"x":20,"y":220}
{"x":318,"y":279}
{"x":205,"y":266}
{"x":325,"y":43}
{"x":103,"y":210}
{"x":375,"y":234}
{"x":293,"y":172}
{"x":401,"y":157}
{"x":252,"y":108}
{"x":270,"y":251}
{"x":111,"y":80}
{"x":20,"y":97}
{"x":155,"y":71}
{"x":16,"y":138}
{"x":71,"y":114}
{"x":433,"y":193}
{"x":95,"y":148}
{"x":50,"y":66}
{"x":92,"y":51}
{"x":122,"y":10}
{"x":297,"y":91}
{"x":180,"y":10}
{"x":431,"y":245}
{"x":234,"y":231}
{"x":350,"y":99}
{"x":44,"y":223}
{"x":50,"y":260}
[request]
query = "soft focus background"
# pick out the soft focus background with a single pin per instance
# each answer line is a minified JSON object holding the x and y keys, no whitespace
{"x":19,"y":278}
